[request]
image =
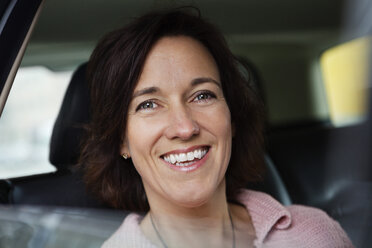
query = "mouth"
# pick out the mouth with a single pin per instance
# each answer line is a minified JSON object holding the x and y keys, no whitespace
{"x":186,"y":160}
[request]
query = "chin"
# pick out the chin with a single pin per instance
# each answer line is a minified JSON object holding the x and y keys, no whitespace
{"x":193,"y":197}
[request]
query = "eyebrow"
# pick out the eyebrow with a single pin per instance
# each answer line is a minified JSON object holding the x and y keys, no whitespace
{"x":194,"y":82}
{"x":201,"y":80}
{"x":145,"y":91}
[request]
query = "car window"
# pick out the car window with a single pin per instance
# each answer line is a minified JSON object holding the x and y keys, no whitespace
{"x":346,"y":74}
{"x":27,"y":121}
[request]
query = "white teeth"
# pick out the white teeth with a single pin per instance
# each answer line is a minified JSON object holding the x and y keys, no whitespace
{"x":197,"y":154}
{"x":203,"y":153}
{"x":190,"y":156}
{"x":181,"y":158}
{"x":172,"y":159}
{"x":184,"y":164}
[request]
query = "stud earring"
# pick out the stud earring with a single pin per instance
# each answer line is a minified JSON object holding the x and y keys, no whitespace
{"x":125,"y":155}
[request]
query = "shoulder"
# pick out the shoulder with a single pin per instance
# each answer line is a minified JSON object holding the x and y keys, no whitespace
{"x":291,"y":226}
{"x":129,"y":234}
{"x":314,"y":227}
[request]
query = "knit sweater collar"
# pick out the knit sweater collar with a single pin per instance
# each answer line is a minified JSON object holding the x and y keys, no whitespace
{"x":266,"y":213}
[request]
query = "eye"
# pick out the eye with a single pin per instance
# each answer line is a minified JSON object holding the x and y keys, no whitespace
{"x":204,"y":96}
{"x":147,"y":105}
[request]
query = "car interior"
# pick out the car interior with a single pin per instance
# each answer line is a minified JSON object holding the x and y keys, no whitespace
{"x":310,"y":159}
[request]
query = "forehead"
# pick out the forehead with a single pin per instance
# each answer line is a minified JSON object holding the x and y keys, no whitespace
{"x":178,"y":59}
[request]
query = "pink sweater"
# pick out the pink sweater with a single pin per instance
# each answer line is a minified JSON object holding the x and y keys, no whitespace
{"x":275,"y":225}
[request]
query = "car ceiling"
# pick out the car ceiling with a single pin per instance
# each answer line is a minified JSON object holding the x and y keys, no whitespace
{"x":68,"y":30}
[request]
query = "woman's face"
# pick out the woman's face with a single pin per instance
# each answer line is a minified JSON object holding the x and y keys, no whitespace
{"x":179,"y":129}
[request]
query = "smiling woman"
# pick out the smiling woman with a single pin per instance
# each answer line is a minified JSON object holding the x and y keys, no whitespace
{"x":186,"y":115}
{"x":176,"y":132}
{"x":124,"y":83}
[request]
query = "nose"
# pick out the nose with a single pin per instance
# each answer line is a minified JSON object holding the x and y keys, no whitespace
{"x":181,"y":124}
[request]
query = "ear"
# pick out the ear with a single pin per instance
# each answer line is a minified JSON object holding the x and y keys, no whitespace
{"x":124,"y":149}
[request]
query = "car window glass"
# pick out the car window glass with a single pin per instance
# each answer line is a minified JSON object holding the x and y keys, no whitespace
{"x":346,"y":73}
{"x":27,"y":121}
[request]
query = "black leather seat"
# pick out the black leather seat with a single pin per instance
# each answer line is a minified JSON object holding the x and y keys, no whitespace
{"x":64,"y":187}
{"x":69,"y":126}
{"x":329,"y":168}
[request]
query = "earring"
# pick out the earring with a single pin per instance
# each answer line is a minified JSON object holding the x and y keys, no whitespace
{"x":125,"y":155}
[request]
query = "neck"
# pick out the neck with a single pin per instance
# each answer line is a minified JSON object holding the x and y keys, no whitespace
{"x":215,"y":208}
{"x":179,"y":224}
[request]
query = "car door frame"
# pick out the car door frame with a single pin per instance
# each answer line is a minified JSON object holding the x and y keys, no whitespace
{"x":17,"y":21}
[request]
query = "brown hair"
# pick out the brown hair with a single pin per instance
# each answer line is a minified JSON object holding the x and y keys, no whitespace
{"x":113,"y":72}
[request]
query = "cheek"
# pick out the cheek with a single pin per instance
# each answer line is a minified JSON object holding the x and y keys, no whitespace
{"x":218,"y":121}
{"x":142,"y":134}
{"x":140,"y":138}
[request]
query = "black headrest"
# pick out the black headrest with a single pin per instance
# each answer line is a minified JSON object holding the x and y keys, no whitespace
{"x":68,"y":128}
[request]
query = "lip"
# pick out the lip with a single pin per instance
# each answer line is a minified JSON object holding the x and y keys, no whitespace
{"x":191,"y":167}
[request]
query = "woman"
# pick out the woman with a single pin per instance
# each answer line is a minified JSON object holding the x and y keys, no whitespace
{"x":176,"y":133}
